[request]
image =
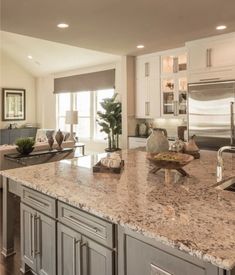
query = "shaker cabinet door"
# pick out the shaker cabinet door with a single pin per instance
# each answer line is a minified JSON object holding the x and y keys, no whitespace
{"x":28,"y":237}
{"x":68,"y":251}
{"x":96,"y":259}
{"x":38,"y":244}
{"x":46,"y":245}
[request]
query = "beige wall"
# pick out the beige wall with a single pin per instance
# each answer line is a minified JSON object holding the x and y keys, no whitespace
{"x":13,"y":75}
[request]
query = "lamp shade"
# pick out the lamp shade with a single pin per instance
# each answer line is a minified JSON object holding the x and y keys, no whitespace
{"x":71,"y":117}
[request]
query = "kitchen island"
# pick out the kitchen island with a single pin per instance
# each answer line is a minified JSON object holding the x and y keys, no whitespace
{"x":132,"y":223}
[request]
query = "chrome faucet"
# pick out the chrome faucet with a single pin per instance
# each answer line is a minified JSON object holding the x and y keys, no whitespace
{"x":220,"y":162}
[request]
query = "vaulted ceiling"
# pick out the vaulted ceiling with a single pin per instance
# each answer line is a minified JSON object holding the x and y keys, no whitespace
{"x":50,"y":57}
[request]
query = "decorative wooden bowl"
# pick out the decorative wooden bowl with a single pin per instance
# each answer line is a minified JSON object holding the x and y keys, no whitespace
{"x":170,"y":161}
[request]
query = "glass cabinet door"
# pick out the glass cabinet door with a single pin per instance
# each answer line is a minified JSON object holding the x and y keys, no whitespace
{"x":168,"y":93}
{"x":182,"y":95}
{"x":174,"y":64}
{"x":182,"y":62}
{"x":167,"y":64}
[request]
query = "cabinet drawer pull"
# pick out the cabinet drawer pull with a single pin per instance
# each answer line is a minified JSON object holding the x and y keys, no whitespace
{"x":208,"y":79}
{"x":37,"y":201}
{"x":208,"y":58}
{"x":33,"y":236}
{"x":146,"y":68}
{"x":95,"y":229}
{"x":80,"y":244}
{"x":147,"y":108}
{"x":155,"y":270}
{"x":83,"y":244}
{"x":38,"y":237}
{"x":75,"y":256}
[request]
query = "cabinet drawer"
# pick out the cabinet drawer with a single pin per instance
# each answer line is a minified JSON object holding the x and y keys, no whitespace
{"x":142,"y":258}
{"x":95,"y":228}
{"x":39,"y":201}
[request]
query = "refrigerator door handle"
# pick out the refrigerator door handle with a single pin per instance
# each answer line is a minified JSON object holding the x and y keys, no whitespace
{"x":232,"y":122}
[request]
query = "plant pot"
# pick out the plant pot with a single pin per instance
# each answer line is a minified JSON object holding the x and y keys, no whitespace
{"x":25,"y":151}
{"x":108,"y":150}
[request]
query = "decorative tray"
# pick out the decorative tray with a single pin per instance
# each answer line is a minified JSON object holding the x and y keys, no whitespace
{"x":100,"y":168}
{"x":170,"y":161}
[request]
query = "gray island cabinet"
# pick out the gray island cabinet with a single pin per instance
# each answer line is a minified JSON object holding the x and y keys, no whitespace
{"x":87,"y":245}
{"x":84,"y":243}
{"x":143,"y":256}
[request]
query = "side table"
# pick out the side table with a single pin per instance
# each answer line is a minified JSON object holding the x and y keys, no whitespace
{"x":80,"y":145}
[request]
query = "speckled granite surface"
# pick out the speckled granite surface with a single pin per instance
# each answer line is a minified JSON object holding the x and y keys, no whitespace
{"x":188,"y":214}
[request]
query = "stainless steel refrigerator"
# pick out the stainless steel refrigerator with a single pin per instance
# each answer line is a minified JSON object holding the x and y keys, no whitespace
{"x":211,"y":113}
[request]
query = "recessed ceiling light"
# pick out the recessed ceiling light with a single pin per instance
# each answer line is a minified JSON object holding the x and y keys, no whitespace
{"x":30,"y":56}
{"x":140,"y":46}
{"x":221,"y":27}
{"x":63,"y":25}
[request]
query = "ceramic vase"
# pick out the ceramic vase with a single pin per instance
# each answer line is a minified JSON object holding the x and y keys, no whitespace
{"x":59,"y":137}
{"x":50,"y":142}
{"x":157,"y":142}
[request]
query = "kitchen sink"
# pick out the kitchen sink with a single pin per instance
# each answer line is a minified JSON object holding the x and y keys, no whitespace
{"x":228,"y":184}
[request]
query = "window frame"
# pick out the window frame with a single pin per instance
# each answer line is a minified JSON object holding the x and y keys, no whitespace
{"x":93,"y":114}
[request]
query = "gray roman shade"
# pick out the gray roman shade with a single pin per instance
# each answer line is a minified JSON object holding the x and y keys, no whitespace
{"x":85,"y":82}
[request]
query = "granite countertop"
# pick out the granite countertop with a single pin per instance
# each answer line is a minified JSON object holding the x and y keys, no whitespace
{"x":188,"y":214}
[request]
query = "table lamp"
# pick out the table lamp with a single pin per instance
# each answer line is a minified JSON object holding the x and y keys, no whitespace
{"x":71,"y":118}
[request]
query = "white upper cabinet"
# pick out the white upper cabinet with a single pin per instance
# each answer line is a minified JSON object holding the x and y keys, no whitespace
{"x":148,"y":86}
{"x":174,"y":83}
{"x":211,"y":58}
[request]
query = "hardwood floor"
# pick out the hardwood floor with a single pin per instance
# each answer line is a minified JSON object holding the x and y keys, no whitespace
{"x":11,"y":265}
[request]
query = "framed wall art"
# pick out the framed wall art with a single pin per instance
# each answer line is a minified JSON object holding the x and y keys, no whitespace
{"x":13,"y":104}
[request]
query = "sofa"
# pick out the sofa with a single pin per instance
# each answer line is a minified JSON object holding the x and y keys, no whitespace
{"x":40,"y":144}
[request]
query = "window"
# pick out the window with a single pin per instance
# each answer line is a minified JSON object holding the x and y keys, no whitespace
{"x":83,"y":105}
{"x":87,"y":103}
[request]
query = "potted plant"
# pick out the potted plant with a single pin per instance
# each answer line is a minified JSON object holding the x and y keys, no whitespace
{"x":25,"y":145}
{"x":110,"y":121}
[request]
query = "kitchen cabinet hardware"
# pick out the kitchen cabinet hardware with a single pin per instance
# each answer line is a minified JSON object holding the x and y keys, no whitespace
{"x":75,"y":257}
{"x":146,"y":69}
{"x":209,"y":79}
{"x":95,"y":229}
{"x":38,"y":237}
{"x":147,"y":108}
{"x":33,"y":236}
{"x":155,"y":270}
{"x":208,"y":57}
